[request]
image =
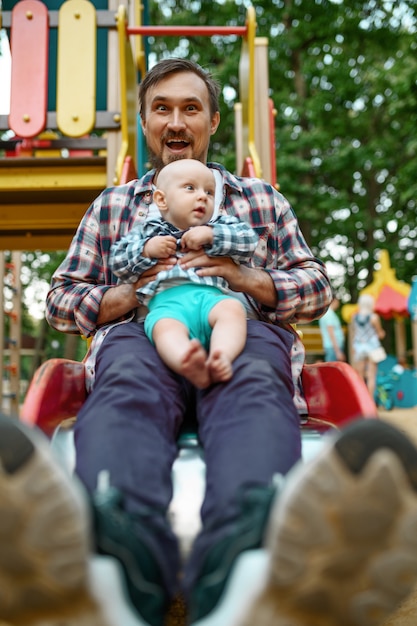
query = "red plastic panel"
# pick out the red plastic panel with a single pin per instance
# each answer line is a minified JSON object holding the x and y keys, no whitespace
{"x":29,"y":81}
{"x":335,"y":393}
{"x":56,"y":392}
{"x":128,"y":171}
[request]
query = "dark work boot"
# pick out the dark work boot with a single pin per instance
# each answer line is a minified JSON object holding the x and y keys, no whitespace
{"x":246,"y":533}
{"x":121,"y":535}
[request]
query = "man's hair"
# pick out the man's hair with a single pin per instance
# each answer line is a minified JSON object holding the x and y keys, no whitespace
{"x":167,"y":67}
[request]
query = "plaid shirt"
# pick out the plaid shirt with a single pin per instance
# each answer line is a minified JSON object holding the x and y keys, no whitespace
{"x":78,"y":285}
{"x":231,"y":238}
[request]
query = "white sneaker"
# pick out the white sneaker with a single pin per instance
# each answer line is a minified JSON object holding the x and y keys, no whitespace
{"x":343,"y":533}
{"x":44,"y":536}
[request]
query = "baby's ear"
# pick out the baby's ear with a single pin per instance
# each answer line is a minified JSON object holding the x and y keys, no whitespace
{"x":160,"y":200}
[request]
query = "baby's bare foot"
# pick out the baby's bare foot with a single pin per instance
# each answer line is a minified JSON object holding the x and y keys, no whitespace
{"x":220,"y":367}
{"x":194,"y":365}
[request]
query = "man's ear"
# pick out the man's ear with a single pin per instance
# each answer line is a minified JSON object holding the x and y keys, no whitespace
{"x":160,"y":200}
{"x":143,"y":125}
{"x":215,"y":121}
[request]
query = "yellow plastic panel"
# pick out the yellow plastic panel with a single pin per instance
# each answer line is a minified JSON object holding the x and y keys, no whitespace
{"x":76,"y":68}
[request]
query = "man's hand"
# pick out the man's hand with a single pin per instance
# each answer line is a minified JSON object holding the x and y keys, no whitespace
{"x":197,"y":237}
{"x":257,"y":283}
{"x":151,"y":273}
{"x":213,"y":266}
{"x":160,"y":247}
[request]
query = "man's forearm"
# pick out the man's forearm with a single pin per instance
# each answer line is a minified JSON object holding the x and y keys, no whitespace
{"x":116,"y":302}
{"x":258,"y":284}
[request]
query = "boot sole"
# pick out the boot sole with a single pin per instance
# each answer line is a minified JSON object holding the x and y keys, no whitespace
{"x":44,"y":536}
{"x":343,"y":534}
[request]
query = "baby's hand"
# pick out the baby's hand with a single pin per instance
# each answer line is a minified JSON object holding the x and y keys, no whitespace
{"x":197,"y":237}
{"x":160,"y":247}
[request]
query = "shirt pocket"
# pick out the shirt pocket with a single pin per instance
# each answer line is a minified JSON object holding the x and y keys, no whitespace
{"x":265,"y":252}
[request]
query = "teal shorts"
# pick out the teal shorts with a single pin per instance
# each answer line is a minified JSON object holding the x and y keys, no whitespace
{"x":189,"y":304}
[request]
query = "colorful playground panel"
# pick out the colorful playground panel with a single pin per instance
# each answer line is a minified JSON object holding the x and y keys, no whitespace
{"x":29,"y":49}
{"x":76,"y":68}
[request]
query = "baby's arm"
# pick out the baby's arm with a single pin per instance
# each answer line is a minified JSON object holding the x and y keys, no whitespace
{"x":128,"y":260}
{"x":197,"y":237}
{"x":160,"y":247}
{"x":233,"y":238}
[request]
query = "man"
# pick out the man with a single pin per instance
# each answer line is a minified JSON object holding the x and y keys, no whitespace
{"x":332,"y":333}
{"x":249,"y":427}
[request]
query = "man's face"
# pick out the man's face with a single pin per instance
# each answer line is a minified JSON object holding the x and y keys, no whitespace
{"x":177,"y":122}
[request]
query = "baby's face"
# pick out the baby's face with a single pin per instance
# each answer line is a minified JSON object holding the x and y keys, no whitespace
{"x":189,"y":192}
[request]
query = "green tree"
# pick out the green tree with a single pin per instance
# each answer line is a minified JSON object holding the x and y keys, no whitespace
{"x":37,"y":269}
{"x":346,"y":139}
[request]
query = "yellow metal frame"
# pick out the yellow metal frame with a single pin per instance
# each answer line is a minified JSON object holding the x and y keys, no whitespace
{"x":140,"y":56}
{"x":128,"y":108}
{"x":251,"y":25}
{"x":247,"y":91}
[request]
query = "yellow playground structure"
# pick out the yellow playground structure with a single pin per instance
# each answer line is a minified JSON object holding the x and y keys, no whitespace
{"x":72,"y":129}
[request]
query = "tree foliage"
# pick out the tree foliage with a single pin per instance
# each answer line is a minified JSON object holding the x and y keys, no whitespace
{"x":343,"y":79}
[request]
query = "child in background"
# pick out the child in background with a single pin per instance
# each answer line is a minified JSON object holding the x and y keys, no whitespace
{"x":366,"y":343}
{"x":332,"y":333}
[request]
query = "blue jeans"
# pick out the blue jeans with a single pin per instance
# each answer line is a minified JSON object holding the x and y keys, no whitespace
{"x":248,"y":427}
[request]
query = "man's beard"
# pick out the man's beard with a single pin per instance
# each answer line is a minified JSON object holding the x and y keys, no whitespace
{"x":156,"y":160}
{"x":157,"y":163}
